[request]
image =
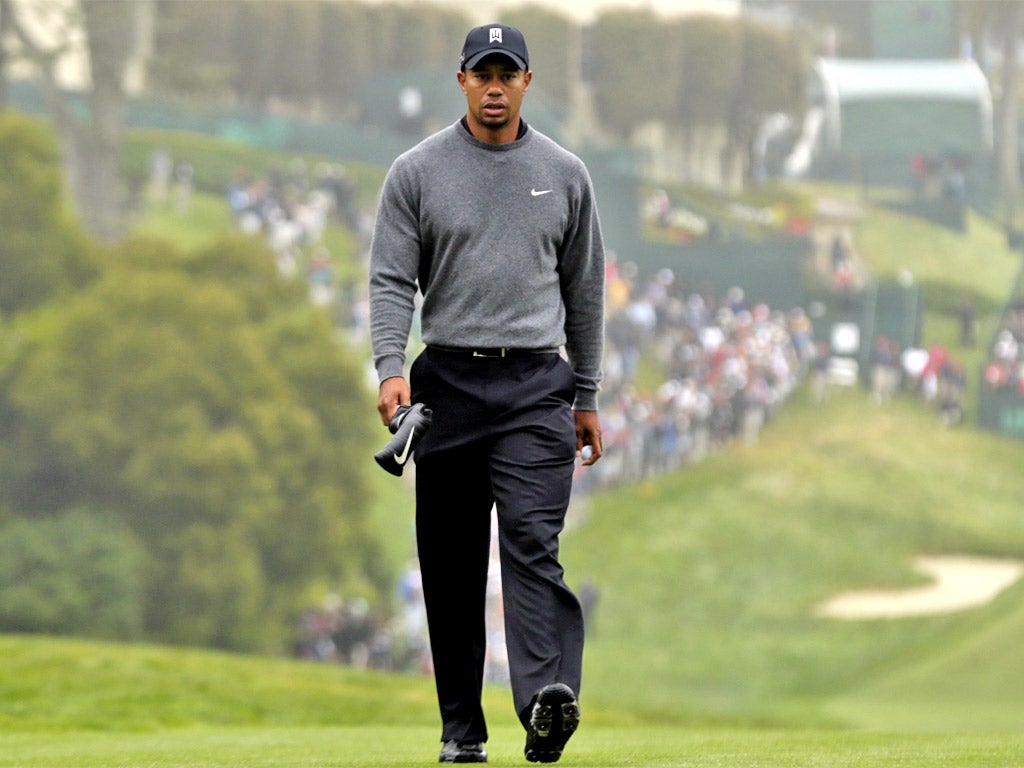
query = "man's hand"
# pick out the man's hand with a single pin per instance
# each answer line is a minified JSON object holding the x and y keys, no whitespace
{"x":393,"y":393}
{"x":588,"y":433}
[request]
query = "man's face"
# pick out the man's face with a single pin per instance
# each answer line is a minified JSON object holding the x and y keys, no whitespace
{"x":494,"y":91}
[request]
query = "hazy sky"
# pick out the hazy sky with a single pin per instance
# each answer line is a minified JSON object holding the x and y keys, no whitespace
{"x":586,"y":10}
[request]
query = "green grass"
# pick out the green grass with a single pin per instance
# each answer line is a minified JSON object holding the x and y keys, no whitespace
{"x":977,"y":262}
{"x":397,"y":745}
{"x":950,"y":267}
{"x":58,"y":684}
{"x":709,"y":577}
{"x":79,"y":704}
{"x":207,"y":216}
{"x":704,"y":651}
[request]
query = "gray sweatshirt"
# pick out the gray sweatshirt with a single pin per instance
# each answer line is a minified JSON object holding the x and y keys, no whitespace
{"x":505,"y":244}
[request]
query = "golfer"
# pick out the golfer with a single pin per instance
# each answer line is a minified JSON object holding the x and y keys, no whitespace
{"x":497,"y":227}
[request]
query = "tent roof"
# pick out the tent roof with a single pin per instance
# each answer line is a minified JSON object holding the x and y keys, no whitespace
{"x":953,"y":79}
{"x":879,"y":107}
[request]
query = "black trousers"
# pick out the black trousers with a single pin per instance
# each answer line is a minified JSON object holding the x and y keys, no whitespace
{"x":503,"y":436}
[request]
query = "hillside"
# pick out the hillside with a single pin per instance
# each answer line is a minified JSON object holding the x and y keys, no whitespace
{"x":709,"y":577}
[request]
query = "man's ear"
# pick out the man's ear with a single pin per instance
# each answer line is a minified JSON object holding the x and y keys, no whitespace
{"x":461,"y":76}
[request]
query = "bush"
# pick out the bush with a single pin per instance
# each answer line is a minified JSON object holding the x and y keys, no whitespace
{"x":42,"y":251}
{"x":77,"y":573}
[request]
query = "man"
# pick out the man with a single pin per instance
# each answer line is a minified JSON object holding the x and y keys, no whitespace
{"x":498,"y":226}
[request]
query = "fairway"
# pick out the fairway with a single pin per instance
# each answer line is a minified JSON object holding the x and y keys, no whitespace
{"x":415,"y":745}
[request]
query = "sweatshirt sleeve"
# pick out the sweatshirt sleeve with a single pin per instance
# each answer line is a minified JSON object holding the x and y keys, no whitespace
{"x":394,"y":266}
{"x":582,"y":267}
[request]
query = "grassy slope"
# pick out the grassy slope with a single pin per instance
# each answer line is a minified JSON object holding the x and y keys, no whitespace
{"x":64,"y":684}
{"x":950,"y":266}
{"x":977,"y":261}
{"x":709,"y":577}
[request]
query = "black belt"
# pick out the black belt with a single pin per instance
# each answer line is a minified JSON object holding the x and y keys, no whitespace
{"x":492,"y":351}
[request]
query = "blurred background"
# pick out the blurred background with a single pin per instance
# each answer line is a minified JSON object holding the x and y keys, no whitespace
{"x":814,"y":365}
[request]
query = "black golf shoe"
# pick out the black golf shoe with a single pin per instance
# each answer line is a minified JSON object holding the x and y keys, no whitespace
{"x":553,"y":719}
{"x":463,"y":752}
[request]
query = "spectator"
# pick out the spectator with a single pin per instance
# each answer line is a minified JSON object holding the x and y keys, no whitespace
{"x":968,"y":322}
{"x":885,"y":370}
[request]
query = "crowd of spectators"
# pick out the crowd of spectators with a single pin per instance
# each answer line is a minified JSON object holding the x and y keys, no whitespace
{"x":932,"y":374}
{"x":345,"y":632}
{"x":1004,"y":370}
{"x":729,"y":365}
{"x":291,"y":209}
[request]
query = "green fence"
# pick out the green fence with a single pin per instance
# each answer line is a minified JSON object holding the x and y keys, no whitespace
{"x":888,"y":309}
{"x":769,"y":271}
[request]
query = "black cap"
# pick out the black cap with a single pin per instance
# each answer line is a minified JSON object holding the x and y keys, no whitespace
{"x":495,"y":38}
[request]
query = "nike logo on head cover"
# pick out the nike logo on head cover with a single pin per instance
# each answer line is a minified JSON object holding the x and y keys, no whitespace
{"x":403,"y":457}
{"x":539,"y":192}
{"x":415,"y":420}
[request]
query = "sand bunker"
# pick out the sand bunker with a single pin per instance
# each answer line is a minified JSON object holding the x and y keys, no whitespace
{"x":961,"y":582}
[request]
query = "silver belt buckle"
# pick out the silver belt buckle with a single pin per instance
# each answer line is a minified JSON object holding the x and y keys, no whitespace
{"x":501,"y":353}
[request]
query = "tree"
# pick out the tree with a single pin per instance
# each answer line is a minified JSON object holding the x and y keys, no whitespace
{"x":771,"y":74}
{"x":5,"y":26}
{"x":710,"y":49}
{"x":41,"y":251}
{"x":76,"y":572}
{"x":91,"y":146}
{"x":203,"y":400}
{"x":198,"y":399}
{"x":195,"y":52}
{"x":998,"y":23}
{"x":553,"y":55}
{"x":1009,"y":18}
{"x":626,"y":98}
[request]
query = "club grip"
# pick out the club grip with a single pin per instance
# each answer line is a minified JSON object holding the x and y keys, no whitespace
{"x":408,"y":426}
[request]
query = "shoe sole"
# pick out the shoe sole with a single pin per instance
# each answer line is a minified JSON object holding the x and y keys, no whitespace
{"x":464,"y":756}
{"x":475,"y":758}
{"x":554,"y":719}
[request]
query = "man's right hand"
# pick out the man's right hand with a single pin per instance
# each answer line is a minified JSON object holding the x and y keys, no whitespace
{"x":393,"y":393}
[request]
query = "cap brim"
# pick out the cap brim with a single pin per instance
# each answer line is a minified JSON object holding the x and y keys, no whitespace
{"x":475,"y":59}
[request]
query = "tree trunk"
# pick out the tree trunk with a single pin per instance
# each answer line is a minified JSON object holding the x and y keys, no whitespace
{"x":91,"y":148}
{"x":5,"y":31}
{"x":1009,"y":151}
{"x":100,"y":189}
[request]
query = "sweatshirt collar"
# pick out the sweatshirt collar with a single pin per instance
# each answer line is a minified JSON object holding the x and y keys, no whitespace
{"x":523,"y":127}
